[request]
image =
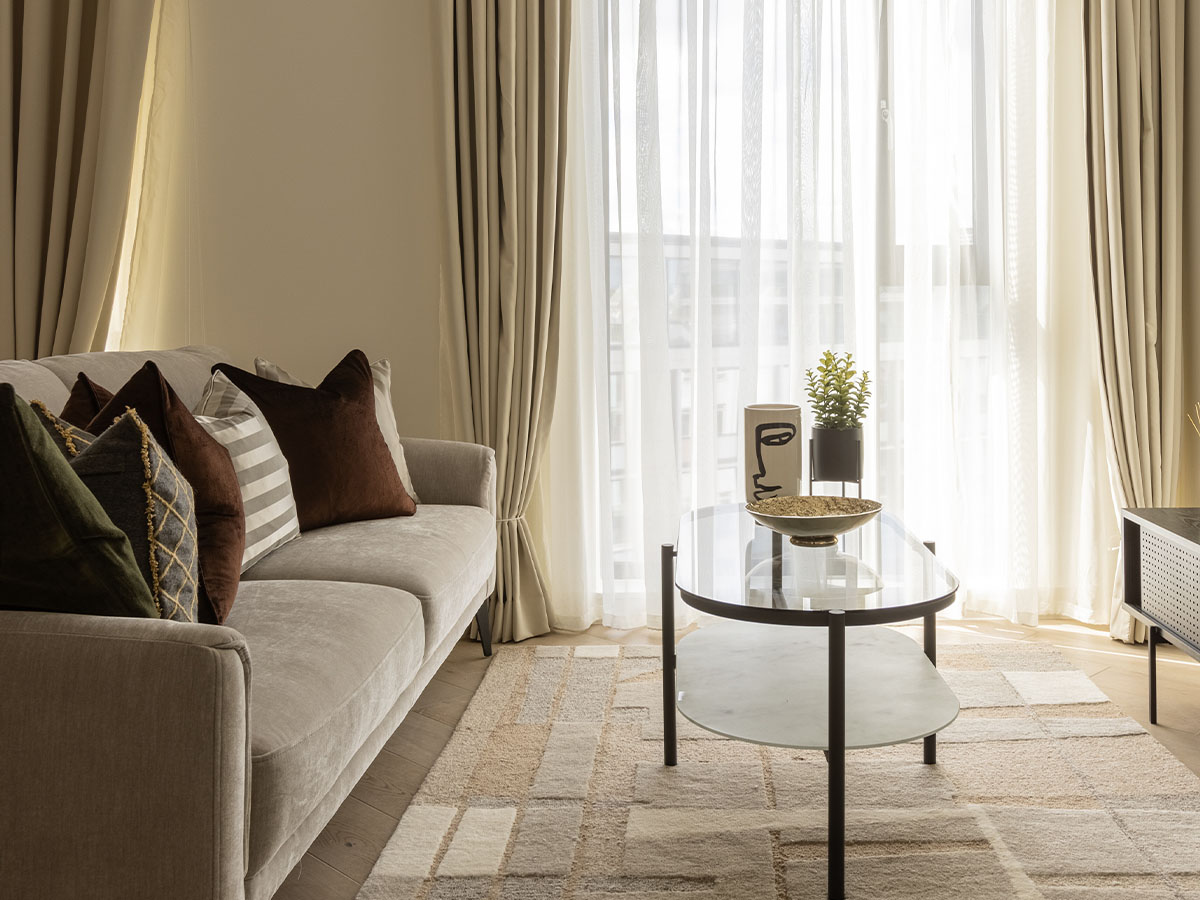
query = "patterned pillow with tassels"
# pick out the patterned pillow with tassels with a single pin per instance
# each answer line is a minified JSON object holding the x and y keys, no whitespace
{"x":145,"y":496}
{"x":69,"y":438}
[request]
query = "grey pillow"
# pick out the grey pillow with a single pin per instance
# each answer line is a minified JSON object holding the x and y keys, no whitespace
{"x":145,"y":496}
{"x":70,"y":439}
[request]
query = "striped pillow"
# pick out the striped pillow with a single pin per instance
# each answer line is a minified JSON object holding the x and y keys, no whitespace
{"x":231,"y":417}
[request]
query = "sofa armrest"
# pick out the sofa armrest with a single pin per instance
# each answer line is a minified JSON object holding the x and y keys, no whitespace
{"x":452,"y":472}
{"x":124,"y":750}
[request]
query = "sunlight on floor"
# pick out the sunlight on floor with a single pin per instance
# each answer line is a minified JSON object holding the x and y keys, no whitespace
{"x":1135,"y":652}
{"x":1071,"y":627}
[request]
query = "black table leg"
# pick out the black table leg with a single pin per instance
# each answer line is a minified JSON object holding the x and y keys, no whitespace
{"x":930,"y":630}
{"x":668,"y":642}
{"x":837,"y":755}
{"x":1151,"y":642}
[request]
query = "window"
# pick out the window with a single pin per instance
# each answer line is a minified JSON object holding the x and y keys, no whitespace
{"x":787,"y":178}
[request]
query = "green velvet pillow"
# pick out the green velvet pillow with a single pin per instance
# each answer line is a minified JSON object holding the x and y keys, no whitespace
{"x":59,"y":550}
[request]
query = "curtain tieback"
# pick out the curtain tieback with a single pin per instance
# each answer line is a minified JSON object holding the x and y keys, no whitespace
{"x":510,"y":519}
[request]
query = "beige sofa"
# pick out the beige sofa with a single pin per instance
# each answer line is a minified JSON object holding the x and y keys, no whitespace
{"x":142,"y":758}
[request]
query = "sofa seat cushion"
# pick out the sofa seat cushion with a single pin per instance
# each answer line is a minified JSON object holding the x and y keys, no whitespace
{"x":327,"y":662}
{"x":444,"y":555}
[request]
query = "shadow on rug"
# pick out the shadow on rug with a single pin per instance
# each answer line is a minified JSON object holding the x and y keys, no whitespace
{"x":553,"y":786}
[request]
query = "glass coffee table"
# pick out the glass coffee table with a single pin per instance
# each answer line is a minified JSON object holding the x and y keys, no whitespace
{"x":839,"y":681}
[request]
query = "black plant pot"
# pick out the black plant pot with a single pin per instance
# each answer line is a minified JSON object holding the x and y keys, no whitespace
{"x":836,"y":454}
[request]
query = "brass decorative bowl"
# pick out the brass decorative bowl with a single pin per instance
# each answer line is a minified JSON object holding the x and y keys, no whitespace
{"x":813,"y":521}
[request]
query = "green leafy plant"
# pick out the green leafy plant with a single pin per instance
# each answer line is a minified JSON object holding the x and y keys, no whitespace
{"x":837,"y":392}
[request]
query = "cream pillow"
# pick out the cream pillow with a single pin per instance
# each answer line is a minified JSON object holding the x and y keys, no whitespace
{"x":381,"y":379}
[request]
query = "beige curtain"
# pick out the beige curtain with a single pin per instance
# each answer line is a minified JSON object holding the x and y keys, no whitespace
{"x":70,"y":87}
{"x":1189,"y":464}
{"x":507,"y":96}
{"x":1144,"y":249}
{"x":165,"y":273}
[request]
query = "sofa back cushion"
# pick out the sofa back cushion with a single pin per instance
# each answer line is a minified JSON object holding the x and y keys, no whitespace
{"x":187,"y":369}
{"x":32,"y":381}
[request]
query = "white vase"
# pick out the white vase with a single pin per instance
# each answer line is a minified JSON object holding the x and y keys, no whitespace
{"x":773,"y":456}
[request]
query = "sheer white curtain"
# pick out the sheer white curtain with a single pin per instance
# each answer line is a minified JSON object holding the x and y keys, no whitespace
{"x":753,"y":182}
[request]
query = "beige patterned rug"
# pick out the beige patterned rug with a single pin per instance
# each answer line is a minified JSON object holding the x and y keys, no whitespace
{"x":553,"y":786}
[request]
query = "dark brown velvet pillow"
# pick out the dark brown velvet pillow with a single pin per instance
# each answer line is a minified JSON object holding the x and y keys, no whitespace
{"x":340,"y":465}
{"x":85,"y":402}
{"x":220,"y":520}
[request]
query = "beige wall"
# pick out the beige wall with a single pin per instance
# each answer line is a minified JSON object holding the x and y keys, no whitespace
{"x":312,"y":220}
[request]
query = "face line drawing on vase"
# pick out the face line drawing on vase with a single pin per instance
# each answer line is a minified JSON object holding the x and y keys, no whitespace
{"x":769,"y":434}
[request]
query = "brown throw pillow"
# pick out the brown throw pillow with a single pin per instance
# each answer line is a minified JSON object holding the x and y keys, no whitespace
{"x":208,"y":469}
{"x":85,"y":402}
{"x":339,"y":462}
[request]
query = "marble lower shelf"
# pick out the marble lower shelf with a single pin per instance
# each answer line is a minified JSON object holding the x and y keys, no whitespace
{"x":769,"y":684}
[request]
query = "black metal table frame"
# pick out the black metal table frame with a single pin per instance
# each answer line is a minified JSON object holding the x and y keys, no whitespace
{"x":836,"y":621}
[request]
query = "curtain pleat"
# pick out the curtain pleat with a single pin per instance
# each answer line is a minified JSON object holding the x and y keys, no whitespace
{"x":71,"y":80}
{"x":166,"y":265}
{"x":501,"y":307}
{"x":1138,"y":163}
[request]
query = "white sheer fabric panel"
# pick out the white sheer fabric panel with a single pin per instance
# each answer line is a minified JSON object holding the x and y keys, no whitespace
{"x":751,"y":183}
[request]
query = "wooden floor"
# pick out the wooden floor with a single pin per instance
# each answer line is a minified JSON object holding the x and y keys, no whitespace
{"x":342,"y":856}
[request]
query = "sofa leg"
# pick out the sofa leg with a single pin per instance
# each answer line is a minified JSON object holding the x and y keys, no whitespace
{"x":483,"y":623}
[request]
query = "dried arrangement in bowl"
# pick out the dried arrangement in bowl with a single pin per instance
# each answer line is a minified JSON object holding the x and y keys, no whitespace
{"x":813,"y":506}
{"x":813,"y":521}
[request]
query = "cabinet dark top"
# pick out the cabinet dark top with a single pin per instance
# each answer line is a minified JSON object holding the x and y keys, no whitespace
{"x":1181,"y":521}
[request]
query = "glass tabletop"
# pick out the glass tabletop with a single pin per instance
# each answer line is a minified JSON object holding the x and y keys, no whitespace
{"x":730,"y":566}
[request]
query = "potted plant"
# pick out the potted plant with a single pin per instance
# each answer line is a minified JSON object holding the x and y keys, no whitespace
{"x":838,"y":396}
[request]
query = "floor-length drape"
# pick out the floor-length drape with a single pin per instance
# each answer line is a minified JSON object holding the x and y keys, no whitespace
{"x":162,"y":277}
{"x":1079,"y":526}
{"x":71,"y":76}
{"x":1138,"y":163}
{"x":501,"y":301}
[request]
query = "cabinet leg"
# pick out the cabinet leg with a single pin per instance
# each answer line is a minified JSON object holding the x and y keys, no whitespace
{"x":837,"y":755}
{"x":668,"y":643}
{"x":1152,"y":644}
{"x":930,"y":631}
